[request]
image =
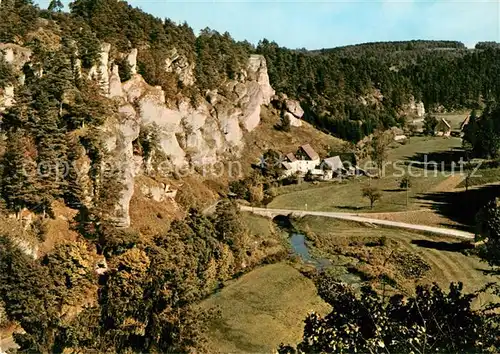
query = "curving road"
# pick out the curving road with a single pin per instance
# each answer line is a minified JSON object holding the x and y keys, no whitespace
{"x":363,"y":219}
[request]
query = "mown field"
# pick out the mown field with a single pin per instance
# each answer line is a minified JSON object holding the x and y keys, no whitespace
{"x":262,"y":309}
{"x":347,"y":195}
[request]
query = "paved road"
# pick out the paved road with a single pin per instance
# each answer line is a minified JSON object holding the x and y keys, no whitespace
{"x":363,"y":219}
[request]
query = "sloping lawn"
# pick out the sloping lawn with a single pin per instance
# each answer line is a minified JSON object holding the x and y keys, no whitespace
{"x":262,"y":309}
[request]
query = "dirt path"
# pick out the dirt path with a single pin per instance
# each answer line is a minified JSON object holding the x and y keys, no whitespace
{"x":424,"y":216}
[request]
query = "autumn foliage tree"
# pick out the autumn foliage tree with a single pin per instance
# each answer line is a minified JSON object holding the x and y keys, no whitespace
{"x":372,"y":194}
{"x":431,"y":320}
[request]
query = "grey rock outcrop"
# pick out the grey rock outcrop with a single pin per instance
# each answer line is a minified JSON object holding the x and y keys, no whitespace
{"x":257,"y":71}
{"x":294,"y":108}
{"x":294,"y":122}
{"x":189,"y":134}
{"x":414,"y":108}
{"x":132,"y":60}
{"x":179,"y":64}
{"x":17,"y":56}
{"x":100,"y":72}
{"x":121,"y":135}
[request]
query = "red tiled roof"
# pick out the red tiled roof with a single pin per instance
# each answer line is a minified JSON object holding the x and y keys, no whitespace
{"x":313,"y":155}
{"x":291,"y":157}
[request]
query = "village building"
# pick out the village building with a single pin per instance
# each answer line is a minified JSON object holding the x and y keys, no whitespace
{"x":307,"y":158}
{"x":334,"y":164}
{"x":443,"y":128}
{"x":464,"y":123}
{"x":306,"y":161}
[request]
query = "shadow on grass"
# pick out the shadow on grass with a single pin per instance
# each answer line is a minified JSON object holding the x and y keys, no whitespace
{"x":350,"y":207}
{"x":443,"y":246}
{"x":440,"y":160}
{"x":462,"y":206}
{"x":486,"y":271}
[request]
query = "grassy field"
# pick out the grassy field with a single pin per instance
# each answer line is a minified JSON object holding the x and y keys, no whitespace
{"x":259,"y":225}
{"x":399,"y":255}
{"x":267,"y":306}
{"x":423,"y":145}
{"x":347,"y":195}
{"x":262,"y":309}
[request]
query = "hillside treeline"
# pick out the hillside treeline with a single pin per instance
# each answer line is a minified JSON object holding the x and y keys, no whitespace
{"x":444,"y":75}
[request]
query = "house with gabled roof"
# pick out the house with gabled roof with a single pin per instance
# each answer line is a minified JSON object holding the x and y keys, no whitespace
{"x":333,"y":163}
{"x":307,"y":158}
{"x":443,"y":128}
{"x":464,"y":123}
{"x":290,"y":157}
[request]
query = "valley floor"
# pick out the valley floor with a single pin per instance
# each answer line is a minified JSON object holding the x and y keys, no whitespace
{"x":268,"y":305}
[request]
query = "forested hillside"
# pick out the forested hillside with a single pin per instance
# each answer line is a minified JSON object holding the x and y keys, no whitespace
{"x":444,"y":75}
{"x":92,"y":98}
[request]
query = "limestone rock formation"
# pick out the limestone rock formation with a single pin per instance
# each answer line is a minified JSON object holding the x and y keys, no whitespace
{"x":132,"y":61}
{"x":257,"y":70}
{"x":6,"y":97}
{"x":189,"y":134}
{"x":294,"y":108}
{"x":294,"y":122}
{"x":289,"y":108}
{"x":119,"y":143}
{"x":17,"y":56}
{"x":414,"y":108}
{"x":178,"y":64}
{"x":100,"y":72}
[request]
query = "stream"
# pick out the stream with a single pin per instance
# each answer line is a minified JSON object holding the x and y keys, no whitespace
{"x":299,"y":247}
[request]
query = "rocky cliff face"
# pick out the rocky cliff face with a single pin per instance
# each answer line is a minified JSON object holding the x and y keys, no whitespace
{"x":189,"y":135}
{"x":16,"y":56}
{"x":414,"y":108}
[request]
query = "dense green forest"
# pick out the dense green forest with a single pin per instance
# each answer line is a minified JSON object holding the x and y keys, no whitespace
{"x":330,"y":83}
{"x":444,"y":75}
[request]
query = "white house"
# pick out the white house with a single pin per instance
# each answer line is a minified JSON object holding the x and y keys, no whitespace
{"x":307,"y":158}
{"x":334,"y":163}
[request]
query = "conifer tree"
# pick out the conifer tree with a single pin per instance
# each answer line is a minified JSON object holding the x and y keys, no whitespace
{"x":18,"y":174}
{"x":55,"y":6}
{"x":52,"y":153}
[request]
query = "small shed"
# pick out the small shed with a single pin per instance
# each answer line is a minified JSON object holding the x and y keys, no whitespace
{"x":443,"y":128}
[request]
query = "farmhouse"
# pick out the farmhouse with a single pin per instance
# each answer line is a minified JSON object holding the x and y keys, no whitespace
{"x":307,"y":158}
{"x":443,"y":128}
{"x":334,"y":164}
{"x":306,"y":161}
{"x":464,"y":123}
